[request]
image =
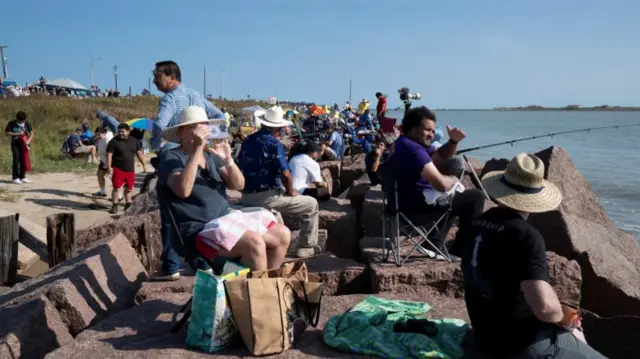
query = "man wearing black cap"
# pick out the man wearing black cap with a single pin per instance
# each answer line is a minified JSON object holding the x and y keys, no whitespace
{"x":21,"y":134}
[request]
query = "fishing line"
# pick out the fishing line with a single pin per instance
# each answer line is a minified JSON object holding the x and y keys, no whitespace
{"x":511,"y":142}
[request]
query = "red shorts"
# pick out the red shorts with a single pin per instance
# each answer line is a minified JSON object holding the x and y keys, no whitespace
{"x":121,"y":178}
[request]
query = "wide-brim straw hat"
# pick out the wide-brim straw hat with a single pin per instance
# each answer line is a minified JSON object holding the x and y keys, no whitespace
{"x":188,"y":116}
{"x":272,"y":117}
{"x":522,"y":186}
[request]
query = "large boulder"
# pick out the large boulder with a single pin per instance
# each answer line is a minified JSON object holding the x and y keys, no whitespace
{"x":148,"y":245}
{"x":70,"y":297}
{"x":357,"y":191}
{"x":326,"y":175}
{"x":371,"y":213}
{"x":351,"y":170}
{"x":334,"y":170}
{"x":614,"y":337}
{"x":566,"y":278}
{"x":124,"y":337}
{"x":340,"y":275}
{"x":143,"y":203}
{"x":609,"y":259}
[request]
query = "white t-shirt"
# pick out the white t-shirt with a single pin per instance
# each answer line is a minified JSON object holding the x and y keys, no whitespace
{"x":101,"y":146}
{"x":304,"y":170}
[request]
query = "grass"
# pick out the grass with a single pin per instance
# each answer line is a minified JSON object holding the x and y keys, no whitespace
{"x":54,"y":118}
{"x":6,"y":195}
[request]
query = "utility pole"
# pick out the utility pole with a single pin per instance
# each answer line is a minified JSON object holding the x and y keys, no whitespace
{"x":4,"y":61}
{"x":350,"y":87}
{"x":204,"y":85}
{"x":222,"y":93}
{"x":115,"y":75}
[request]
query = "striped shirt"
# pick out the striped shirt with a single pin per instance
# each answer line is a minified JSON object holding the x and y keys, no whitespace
{"x":170,"y":106}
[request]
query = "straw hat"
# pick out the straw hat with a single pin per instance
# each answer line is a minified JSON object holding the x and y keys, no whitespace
{"x":273,"y":117}
{"x":188,"y":116}
{"x":522,"y":186}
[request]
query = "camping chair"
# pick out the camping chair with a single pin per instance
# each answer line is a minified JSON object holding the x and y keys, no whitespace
{"x":219,"y":264}
{"x":433,"y":225}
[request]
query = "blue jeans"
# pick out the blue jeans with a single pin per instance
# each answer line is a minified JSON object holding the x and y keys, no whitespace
{"x":170,"y":258}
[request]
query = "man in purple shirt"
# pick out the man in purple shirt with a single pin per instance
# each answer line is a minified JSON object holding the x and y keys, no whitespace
{"x":417,"y":166}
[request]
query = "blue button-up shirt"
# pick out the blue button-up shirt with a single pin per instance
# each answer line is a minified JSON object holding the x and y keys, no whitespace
{"x":261,"y":160}
{"x":170,"y":106}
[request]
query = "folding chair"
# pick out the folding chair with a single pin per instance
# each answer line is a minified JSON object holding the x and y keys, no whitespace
{"x":435,"y":224}
{"x":218,"y":264}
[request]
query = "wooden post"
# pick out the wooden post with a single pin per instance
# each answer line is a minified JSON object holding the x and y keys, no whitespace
{"x":146,"y":246}
{"x":61,"y":238}
{"x":9,"y":235}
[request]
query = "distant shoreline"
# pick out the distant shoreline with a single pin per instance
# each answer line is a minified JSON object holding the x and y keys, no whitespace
{"x":539,"y":108}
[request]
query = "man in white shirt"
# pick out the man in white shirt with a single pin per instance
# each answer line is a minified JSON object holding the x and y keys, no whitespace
{"x":102,"y":138}
{"x":305,"y":172}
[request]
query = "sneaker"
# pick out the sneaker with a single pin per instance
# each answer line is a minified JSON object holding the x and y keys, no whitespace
{"x":163,"y":277}
{"x":306,"y":252}
{"x":126,"y":206}
{"x":25,"y":180}
{"x":431,"y":254}
{"x":16,"y":181}
{"x":99,"y":194}
{"x":114,"y":209}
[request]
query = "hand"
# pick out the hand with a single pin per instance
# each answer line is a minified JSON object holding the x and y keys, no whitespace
{"x":221,"y":149}
{"x":571,"y":318}
{"x":200,"y":134}
{"x":455,"y":134}
{"x":110,"y":171}
{"x":379,"y":149}
{"x":293,"y":193}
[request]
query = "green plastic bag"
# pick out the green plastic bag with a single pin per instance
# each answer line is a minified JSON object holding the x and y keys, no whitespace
{"x":211,"y":327}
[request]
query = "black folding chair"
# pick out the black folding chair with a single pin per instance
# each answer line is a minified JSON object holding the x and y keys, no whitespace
{"x":427,"y":227}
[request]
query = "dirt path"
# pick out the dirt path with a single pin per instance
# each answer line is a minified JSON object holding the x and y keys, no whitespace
{"x":53,"y":193}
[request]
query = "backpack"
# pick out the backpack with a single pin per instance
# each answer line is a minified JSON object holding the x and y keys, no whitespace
{"x":65,"y":151}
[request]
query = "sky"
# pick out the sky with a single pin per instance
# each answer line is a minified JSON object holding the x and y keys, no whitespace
{"x":457,"y":54}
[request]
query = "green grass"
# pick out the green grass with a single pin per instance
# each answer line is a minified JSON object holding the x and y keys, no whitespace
{"x":54,"y":118}
{"x":7,"y":195}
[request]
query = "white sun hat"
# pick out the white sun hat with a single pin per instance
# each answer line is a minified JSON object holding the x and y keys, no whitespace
{"x":522,"y":186}
{"x":272,"y":117}
{"x":188,"y":116}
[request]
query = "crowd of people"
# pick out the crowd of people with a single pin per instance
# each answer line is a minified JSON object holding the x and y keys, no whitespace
{"x":515,"y":313}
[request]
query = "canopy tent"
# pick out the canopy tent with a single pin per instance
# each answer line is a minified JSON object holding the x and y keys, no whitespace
{"x":66,"y":83}
{"x":7,"y":83}
{"x":252,"y":109}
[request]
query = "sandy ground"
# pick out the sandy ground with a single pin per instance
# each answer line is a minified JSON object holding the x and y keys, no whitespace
{"x":53,"y":193}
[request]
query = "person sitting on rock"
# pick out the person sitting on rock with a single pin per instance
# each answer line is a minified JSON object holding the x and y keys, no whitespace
{"x":196,"y":178}
{"x":425,"y":176}
{"x":333,"y":148}
{"x":374,"y":159}
{"x":514,"y":311}
{"x":306,"y":173}
{"x":264,"y":165}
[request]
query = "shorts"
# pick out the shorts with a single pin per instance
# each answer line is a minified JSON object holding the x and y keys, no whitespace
{"x":82,"y":149}
{"x":223,"y":233}
{"x":121,"y":178}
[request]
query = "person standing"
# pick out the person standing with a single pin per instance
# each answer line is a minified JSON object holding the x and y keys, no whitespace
{"x":121,"y":152}
{"x":168,"y":79}
{"x":381,"y":108}
{"x":21,"y":135}
{"x":102,"y":138}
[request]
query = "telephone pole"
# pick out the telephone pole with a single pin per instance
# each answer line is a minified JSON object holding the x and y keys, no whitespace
{"x":350,"y":87}
{"x":115,"y":75}
{"x":4,"y":61}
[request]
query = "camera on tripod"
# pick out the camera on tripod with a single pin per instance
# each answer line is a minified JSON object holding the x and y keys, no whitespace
{"x":407,"y":95}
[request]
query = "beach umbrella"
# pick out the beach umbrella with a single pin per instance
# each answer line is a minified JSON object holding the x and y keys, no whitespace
{"x":141,"y":123}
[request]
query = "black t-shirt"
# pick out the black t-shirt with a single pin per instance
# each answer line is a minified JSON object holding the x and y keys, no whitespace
{"x":369,"y":160}
{"x":124,"y":153}
{"x":15,"y":127}
{"x":208,"y":199}
{"x":504,"y":252}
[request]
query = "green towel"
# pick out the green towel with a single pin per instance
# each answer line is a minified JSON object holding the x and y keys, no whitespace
{"x":368,"y":329}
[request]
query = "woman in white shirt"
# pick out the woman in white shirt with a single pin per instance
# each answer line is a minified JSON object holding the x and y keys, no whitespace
{"x":305,"y":171}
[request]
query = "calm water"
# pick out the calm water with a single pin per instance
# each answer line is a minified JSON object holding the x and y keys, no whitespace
{"x":609,"y":159}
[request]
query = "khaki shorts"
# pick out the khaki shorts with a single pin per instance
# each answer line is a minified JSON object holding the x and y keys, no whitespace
{"x":82,"y":149}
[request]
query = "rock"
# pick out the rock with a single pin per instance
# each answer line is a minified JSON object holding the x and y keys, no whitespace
{"x":143,"y":203}
{"x":341,"y":222}
{"x":132,"y":228}
{"x":295,"y":240}
{"x":371,"y":214}
{"x":475,"y":164}
{"x":415,"y":275}
{"x":565,"y":278}
{"x":87,"y":288}
{"x":340,"y":276}
{"x":614,"y":337}
{"x":333,"y":167}
{"x":37,"y":236}
{"x":357,"y":191}
{"x":351,"y":170}
{"x":169,"y":346}
{"x":326,"y":174}
{"x":494,"y":164}
{"x":158,"y":289}
{"x":31,"y":329}
{"x":577,"y":197}
{"x":609,"y":260}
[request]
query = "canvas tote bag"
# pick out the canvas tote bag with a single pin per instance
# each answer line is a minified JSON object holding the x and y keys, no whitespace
{"x":271,"y":309}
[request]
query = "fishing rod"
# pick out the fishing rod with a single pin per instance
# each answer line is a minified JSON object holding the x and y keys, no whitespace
{"x":511,"y":142}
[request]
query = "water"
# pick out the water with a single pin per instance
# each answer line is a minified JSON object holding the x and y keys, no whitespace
{"x":608,"y":159}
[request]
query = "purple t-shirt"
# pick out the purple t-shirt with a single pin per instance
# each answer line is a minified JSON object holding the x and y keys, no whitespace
{"x":406,"y":163}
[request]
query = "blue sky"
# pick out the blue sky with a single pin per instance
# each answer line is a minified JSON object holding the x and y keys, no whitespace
{"x":458,"y":54}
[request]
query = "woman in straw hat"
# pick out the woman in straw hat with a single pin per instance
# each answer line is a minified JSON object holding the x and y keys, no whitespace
{"x":197,"y":178}
{"x":514,"y":311}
